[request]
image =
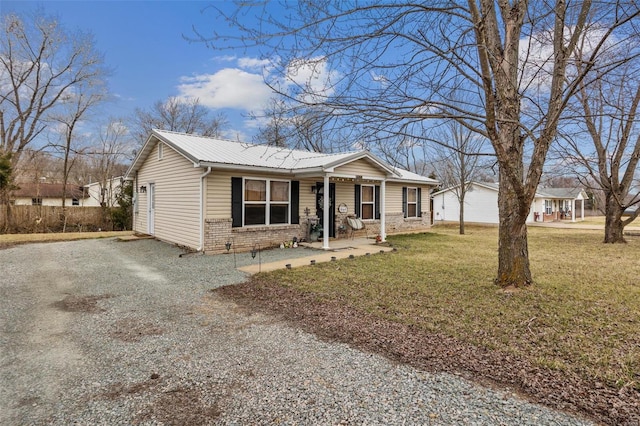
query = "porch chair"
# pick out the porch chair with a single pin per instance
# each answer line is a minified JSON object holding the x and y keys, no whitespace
{"x":356,"y":224}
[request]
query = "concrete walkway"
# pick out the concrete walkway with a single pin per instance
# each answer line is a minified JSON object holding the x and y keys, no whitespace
{"x":340,"y":249}
{"x":578,"y":225}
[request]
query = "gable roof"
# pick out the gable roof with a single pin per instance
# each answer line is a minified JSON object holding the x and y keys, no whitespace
{"x":565,"y":193}
{"x":558,"y":193}
{"x":47,"y":190}
{"x":220,"y":153}
{"x":487,"y":185}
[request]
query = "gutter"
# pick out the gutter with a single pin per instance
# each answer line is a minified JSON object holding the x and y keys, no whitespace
{"x":202,"y":204}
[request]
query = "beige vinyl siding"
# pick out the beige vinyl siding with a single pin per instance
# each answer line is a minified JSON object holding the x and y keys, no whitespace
{"x":219,"y":194}
{"x":177,"y":193}
{"x":345,"y":194}
{"x":307,"y":198}
{"x":394,"y":197}
{"x":360,"y":167}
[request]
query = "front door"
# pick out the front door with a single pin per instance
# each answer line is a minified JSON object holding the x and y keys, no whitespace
{"x":320,"y":206}
{"x":151,"y":208}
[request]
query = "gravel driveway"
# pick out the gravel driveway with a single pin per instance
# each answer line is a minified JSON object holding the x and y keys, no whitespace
{"x":104,"y":332}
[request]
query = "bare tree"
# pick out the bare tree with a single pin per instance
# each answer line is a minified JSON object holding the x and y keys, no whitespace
{"x":40,"y":63}
{"x":178,"y":115}
{"x":74,"y":107}
{"x":305,"y":128}
{"x":108,"y":156}
{"x":390,"y":67}
{"x":277,"y":127}
{"x":459,"y":153}
{"x":606,"y":115}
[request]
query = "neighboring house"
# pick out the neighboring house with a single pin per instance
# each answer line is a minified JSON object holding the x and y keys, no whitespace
{"x":481,"y":204}
{"x":47,"y":194}
{"x":99,"y":194}
{"x":202,"y":192}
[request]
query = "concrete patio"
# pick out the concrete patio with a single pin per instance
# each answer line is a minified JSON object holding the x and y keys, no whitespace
{"x":340,"y":249}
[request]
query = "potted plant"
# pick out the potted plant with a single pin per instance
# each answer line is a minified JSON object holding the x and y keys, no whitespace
{"x":314,"y":232}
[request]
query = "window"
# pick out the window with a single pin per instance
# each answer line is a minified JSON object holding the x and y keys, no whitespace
{"x":547,"y":206}
{"x":412,"y":202}
{"x":75,"y":202}
{"x":266,"y":202}
{"x":36,"y":201}
{"x":160,"y":150}
{"x":367,"y":201}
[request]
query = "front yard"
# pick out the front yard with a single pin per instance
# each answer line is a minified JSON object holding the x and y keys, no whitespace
{"x":580,"y":322}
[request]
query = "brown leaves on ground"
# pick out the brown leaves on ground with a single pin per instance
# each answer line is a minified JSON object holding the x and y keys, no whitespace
{"x":180,"y":406}
{"x":432,"y":352}
{"x":133,"y":330}
{"x":77,"y":303}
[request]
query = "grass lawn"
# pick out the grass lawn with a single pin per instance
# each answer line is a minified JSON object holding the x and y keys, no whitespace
{"x":581,"y":317}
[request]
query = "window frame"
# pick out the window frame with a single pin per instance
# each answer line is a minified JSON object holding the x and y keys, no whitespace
{"x":372,"y":202}
{"x":36,"y":201}
{"x":267,"y":203}
{"x":415,"y":203}
{"x":548,"y":207}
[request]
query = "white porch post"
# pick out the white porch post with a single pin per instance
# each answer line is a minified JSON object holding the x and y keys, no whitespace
{"x":383,"y":230}
{"x":325,"y":214}
{"x":582,"y":210}
{"x":573,"y":210}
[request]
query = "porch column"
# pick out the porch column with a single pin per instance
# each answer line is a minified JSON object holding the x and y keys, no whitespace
{"x":573,"y":210}
{"x":383,"y":230}
{"x":325,"y":214}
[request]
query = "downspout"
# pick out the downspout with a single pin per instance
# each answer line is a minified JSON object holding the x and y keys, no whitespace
{"x":203,"y":178}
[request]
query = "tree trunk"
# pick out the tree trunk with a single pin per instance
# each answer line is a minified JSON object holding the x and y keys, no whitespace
{"x":461,"y":215}
{"x":513,"y":250}
{"x":613,"y":227}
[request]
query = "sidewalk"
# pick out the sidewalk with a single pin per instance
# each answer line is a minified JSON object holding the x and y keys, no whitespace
{"x":340,"y":249}
{"x":578,"y":225}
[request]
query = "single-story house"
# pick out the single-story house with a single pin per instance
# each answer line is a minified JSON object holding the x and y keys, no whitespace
{"x":201,"y":192}
{"x":99,"y":193}
{"x":481,"y":204}
{"x":47,"y":194}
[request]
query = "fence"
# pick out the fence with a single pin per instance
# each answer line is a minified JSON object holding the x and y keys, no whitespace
{"x":31,"y":219}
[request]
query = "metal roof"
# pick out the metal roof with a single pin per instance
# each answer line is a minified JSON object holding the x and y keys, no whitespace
{"x":206,"y":151}
{"x":558,"y":193}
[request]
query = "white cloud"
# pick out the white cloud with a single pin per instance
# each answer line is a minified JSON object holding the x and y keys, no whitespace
{"x":313,"y":78}
{"x":537,"y":60}
{"x":227,"y":88}
{"x":254,"y":63}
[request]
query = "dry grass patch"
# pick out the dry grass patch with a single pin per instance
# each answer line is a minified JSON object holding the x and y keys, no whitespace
{"x":8,"y":240}
{"x":581,"y":317}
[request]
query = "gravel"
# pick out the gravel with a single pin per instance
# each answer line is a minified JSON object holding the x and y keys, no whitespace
{"x":107,"y":333}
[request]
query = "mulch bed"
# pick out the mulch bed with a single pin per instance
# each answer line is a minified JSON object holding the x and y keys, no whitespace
{"x":407,"y":344}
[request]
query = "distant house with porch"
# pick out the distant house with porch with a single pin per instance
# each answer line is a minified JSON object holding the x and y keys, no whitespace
{"x":202,"y":192}
{"x":481,"y":204}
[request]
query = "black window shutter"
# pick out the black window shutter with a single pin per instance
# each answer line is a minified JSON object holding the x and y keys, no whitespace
{"x":358,"y":207}
{"x":295,"y":202}
{"x":236,"y":202}
{"x":404,"y":201}
{"x":419,"y":202}
{"x":377,"y":201}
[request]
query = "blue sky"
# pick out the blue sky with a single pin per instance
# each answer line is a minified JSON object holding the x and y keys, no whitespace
{"x":143,"y":42}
